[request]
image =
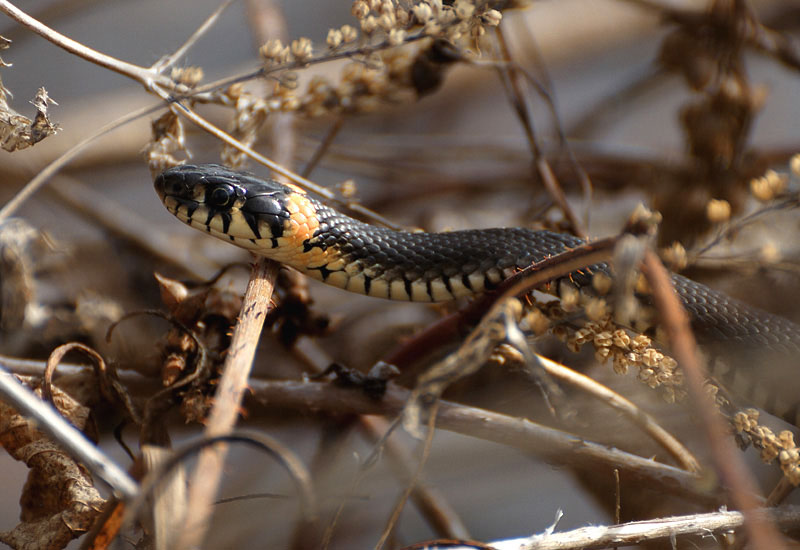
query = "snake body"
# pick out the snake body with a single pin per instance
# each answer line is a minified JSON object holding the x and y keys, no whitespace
{"x":282,"y":222}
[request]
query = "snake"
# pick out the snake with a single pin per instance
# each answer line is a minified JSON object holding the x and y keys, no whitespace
{"x":282,"y":222}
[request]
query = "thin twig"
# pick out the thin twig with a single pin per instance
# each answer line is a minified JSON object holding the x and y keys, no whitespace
{"x":638,"y":532}
{"x":555,"y":446}
{"x":433,"y":506}
{"x":165,"y":62}
{"x":728,"y":461}
{"x":401,"y":501}
{"x":510,"y":82}
{"x":285,"y":456}
{"x":320,"y":151}
{"x":44,"y":175}
{"x":144,"y":75}
{"x":639,"y":417}
{"x":69,"y":437}
{"x":228,"y":399}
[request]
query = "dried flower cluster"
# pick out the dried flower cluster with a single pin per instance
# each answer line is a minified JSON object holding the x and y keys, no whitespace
{"x":401,"y":51}
{"x":609,"y":340}
{"x":251,"y":112}
{"x":772,"y":446}
{"x":168,"y":138}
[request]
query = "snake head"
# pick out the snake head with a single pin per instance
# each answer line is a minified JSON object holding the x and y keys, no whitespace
{"x":228,"y":204}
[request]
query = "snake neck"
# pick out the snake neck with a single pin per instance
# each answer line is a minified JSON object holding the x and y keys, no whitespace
{"x":423,"y":267}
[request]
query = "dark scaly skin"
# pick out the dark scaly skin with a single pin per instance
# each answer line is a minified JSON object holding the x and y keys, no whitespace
{"x":281,"y":222}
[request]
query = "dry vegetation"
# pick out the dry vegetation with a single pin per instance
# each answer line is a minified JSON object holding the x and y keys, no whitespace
{"x":319,"y":427}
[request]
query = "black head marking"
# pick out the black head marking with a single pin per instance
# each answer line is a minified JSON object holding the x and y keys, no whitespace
{"x":267,"y":207}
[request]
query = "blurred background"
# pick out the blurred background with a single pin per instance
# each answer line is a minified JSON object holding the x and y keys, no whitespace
{"x":628,"y":83}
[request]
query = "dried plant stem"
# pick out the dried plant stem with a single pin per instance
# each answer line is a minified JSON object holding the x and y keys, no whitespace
{"x":228,"y":399}
{"x":727,"y":460}
{"x":552,"y":445}
{"x":401,"y":501}
{"x":166,"y":62}
{"x":510,"y":80}
{"x":69,"y":437}
{"x":611,"y":398}
{"x":320,"y":151}
{"x":164,"y":88}
{"x":636,"y":532}
{"x":146,"y":76}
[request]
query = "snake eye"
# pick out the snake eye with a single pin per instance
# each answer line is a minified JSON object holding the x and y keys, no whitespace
{"x":220,"y":196}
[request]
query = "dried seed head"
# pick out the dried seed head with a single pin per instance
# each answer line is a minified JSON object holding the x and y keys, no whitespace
{"x":402,"y":16}
{"x":640,"y":343}
{"x":675,"y":256}
{"x":718,"y":210}
{"x":601,"y":283}
{"x":369,"y":24}
{"x":387,"y":21}
{"x":603,"y":339}
{"x":360,"y":9}
{"x":601,"y":355}
{"x":272,"y":50}
{"x":492,"y":18}
{"x":769,"y":253}
{"x":768,"y":186}
{"x":432,"y":27}
{"x":570,"y":297}
{"x":621,"y":339}
{"x":347,"y":188}
{"x":334,"y":38}
{"x":422,"y":12}
{"x":447,"y":17}
{"x":397,"y":37}
{"x":301,"y":49}
{"x":188,"y":76}
{"x":777,"y":181}
{"x":349,"y":34}
{"x":596,"y":309}
{"x":794,"y":164}
{"x":620,"y":363}
{"x":537,"y":321}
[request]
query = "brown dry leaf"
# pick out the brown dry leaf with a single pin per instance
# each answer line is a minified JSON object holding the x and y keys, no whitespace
{"x":18,"y":131}
{"x":59,"y":501}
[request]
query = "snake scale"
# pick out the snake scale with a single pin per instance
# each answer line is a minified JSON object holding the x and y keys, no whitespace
{"x":283,"y":223}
